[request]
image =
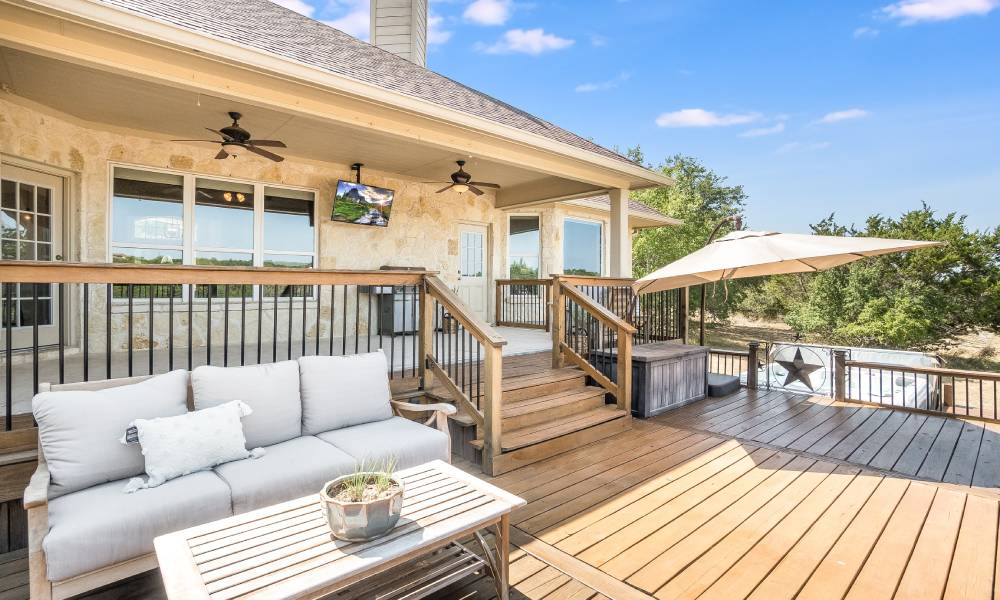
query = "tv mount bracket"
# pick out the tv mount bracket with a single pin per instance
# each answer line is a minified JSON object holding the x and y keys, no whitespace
{"x":356,"y":167}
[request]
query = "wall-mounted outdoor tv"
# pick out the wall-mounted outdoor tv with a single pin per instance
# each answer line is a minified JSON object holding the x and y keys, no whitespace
{"x":362,"y":204}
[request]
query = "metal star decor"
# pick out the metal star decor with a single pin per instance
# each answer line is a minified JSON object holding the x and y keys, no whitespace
{"x":798,"y":369}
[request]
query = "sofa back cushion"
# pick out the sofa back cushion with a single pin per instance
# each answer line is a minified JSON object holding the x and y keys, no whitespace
{"x":340,"y":391}
{"x":79,"y":431}
{"x":271,"y":391}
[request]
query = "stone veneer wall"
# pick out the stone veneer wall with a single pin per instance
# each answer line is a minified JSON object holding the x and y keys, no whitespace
{"x":423,"y":230}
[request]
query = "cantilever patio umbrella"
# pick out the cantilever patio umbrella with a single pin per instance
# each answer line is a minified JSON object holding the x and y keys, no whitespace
{"x":755,"y":253}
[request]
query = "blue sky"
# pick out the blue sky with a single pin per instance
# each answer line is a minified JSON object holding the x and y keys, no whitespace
{"x":851,"y":107}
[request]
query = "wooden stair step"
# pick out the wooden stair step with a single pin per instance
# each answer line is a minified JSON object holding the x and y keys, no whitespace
{"x":535,"y":434}
{"x":541,"y":378}
{"x":549,"y":401}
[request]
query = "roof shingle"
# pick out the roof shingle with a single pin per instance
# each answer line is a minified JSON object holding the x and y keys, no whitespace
{"x":265,"y":26}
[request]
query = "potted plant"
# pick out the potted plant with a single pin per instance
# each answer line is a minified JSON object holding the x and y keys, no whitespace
{"x":365,"y":504}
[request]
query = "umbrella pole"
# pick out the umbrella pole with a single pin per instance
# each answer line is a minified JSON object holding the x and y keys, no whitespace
{"x":737,"y":222}
{"x":701,"y":317}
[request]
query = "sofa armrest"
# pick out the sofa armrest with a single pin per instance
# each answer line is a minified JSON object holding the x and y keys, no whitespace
{"x":37,"y":492}
{"x":439,"y":412}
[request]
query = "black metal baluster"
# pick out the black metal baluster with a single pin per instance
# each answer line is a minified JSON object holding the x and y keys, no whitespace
{"x":368,"y":345}
{"x":343,"y":326}
{"x":291,"y":308}
{"x":10,"y":312}
{"x":260,"y":322}
{"x":319,"y":311}
{"x":243,"y":324}
{"x":392,"y":337}
{"x":357,"y":316}
{"x":150,"y":288}
{"x":225,"y":327}
{"x":130,"y":330}
{"x":415,"y":327}
{"x":333,"y":311}
{"x":170,"y":330}
{"x":274,"y":324}
{"x":208,"y":316}
{"x":86,"y":332}
{"x":304,"y":311}
{"x":62,"y":335}
{"x":190,"y":348}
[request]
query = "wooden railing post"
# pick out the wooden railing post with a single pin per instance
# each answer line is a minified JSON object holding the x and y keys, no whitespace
{"x":498,"y":305}
{"x":752,"y":349}
{"x":558,"y":321}
{"x":426,"y":336}
{"x":493,"y":375}
{"x":840,"y":374}
{"x":624,"y":367}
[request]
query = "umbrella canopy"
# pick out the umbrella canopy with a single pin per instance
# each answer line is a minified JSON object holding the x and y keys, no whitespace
{"x":755,"y":253}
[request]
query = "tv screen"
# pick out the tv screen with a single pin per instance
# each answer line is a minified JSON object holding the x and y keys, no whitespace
{"x":362,"y":204}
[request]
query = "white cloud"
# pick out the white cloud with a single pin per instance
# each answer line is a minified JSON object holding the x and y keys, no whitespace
{"x":488,"y":12}
{"x":910,"y":12}
{"x":802,"y":147}
{"x":865,"y":32}
{"x":602,"y":86}
{"x":297,"y":5}
{"x":762,"y":131}
{"x":698,"y":117}
{"x":843,"y":115}
{"x":435,"y":34}
{"x":356,"y":21}
{"x":530,"y":41}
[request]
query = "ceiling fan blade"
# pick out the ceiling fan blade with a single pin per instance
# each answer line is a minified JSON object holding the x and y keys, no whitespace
{"x":485,"y":185}
{"x":222,"y":154}
{"x":446,"y":188}
{"x":268,"y":143}
{"x":219,"y":133}
{"x":207,"y":141}
{"x":265,"y":153}
{"x":474,"y":189}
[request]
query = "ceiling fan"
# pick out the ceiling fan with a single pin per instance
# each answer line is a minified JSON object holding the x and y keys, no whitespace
{"x":461,"y":182}
{"x":235,"y":139}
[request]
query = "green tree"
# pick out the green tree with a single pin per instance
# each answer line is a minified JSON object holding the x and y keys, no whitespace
{"x":700,"y":198}
{"x":910,"y":300}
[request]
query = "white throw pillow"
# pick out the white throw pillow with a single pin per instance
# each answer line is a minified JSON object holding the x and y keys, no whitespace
{"x":196,"y":441}
{"x":78,"y":430}
{"x":271,"y":390}
{"x":340,"y":391}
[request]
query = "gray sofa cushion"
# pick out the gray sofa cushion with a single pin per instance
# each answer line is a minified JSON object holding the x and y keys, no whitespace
{"x":339,"y":391}
{"x":79,"y":431}
{"x":102,"y":525}
{"x":410,"y":442}
{"x":287,"y":471}
{"x":271,"y":390}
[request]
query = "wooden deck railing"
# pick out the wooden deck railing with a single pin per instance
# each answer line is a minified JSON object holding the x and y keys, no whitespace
{"x":593,"y":338}
{"x":465,"y":355}
{"x":973,"y":394}
{"x":523,"y":303}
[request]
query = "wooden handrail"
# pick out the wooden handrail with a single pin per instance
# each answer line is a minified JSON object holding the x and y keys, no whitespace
{"x":728,"y":352}
{"x":597,"y":281}
{"x":58,"y":272}
{"x":939,"y":371}
{"x":524,"y":281}
{"x":606,"y":316}
{"x":476,"y":326}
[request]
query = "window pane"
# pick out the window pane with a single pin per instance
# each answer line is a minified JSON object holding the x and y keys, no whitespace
{"x":288,"y":220}
{"x":288,"y":261}
{"x":8,"y":224}
{"x":145,"y":256}
{"x":27,"y":226}
{"x":42,"y":201}
{"x":224,"y":259}
{"x":148,"y":208}
{"x":27,"y":195}
{"x":8,"y":191}
{"x":524,"y":248}
{"x":44,"y":229}
{"x":581,"y":248}
{"x":223,"y":214}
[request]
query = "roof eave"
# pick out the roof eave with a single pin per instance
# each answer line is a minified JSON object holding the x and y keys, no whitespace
{"x":123,"y":21}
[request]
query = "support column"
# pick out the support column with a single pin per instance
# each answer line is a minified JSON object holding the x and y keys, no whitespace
{"x":621,"y":234}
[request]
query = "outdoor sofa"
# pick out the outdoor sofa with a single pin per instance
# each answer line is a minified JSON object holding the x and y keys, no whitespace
{"x":316,"y":419}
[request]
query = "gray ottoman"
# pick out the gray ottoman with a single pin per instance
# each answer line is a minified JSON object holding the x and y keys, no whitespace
{"x":722,"y":385}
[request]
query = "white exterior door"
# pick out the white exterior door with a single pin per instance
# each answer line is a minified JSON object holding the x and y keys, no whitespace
{"x":472,"y":268}
{"x":30,"y":229}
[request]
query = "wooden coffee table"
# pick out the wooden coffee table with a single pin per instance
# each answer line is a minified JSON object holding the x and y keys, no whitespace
{"x":286,"y":550}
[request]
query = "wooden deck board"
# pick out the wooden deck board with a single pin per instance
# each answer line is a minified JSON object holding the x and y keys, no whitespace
{"x":685,"y":506}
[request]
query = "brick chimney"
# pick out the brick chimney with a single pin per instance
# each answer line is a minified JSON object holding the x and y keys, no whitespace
{"x":400,"y":27}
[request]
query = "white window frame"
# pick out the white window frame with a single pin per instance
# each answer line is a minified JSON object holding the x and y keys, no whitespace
{"x":600,"y":223}
{"x":510,"y":256}
{"x":188,"y":244}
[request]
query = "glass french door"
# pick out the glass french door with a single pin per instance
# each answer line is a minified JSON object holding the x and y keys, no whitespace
{"x":30,"y":230}
{"x":472,"y":266}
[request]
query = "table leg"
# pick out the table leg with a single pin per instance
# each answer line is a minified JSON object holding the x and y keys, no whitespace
{"x":503,"y":549}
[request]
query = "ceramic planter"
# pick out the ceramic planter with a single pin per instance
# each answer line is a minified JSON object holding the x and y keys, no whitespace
{"x":360,"y":521}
